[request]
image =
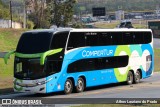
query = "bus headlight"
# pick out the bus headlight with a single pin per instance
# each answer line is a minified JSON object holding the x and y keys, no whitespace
{"x":44,"y":82}
{"x":33,"y":85}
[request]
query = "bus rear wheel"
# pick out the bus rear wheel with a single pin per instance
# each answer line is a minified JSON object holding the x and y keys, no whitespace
{"x":68,"y":87}
{"x":80,"y":85}
{"x":130,"y":78}
{"x":137,"y":77}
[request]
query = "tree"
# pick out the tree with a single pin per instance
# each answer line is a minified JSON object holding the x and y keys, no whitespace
{"x":39,"y":13}
{"x":47,"y":12}
{"x":62,"y":11}
{"x":4,"y":12}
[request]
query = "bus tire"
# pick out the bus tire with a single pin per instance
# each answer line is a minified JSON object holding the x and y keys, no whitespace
{"x":130,"y":78}
{"x":80,"y":85}
{"x":137,"y":77}
{"x":68,"y":87}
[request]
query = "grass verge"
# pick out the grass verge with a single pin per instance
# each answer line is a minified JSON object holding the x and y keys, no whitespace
{"x":8,"y":41}
{"x":156,"y":60}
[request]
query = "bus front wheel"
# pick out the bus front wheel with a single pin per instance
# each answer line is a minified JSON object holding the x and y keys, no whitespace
{"x":80,"y":85}
{"x":68,"y":88}
{"x":130,"y":78}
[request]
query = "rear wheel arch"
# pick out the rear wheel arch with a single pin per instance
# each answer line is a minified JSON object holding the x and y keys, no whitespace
{"x":137,"y":76}
{"x":72,"y":79}
{"x":140,"y":71}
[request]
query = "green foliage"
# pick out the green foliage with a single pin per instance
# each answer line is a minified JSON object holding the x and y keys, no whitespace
{"x":4,"y":12}
{"x":30,"y":24}
{"x":62,"y":12}
{"x":32,"y":17}
{"x":0,"y":2}
{"x":40,"y":14}
{"x":44,"y":22}
{"x":17,"y":9}
{"x":77,"y":25}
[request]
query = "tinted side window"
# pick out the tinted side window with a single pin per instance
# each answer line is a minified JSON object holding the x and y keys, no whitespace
{"x":138,"y":37}
{"x":110,"y":62}
{"x":113,"y":62}
{"x":76,"y":39}
{"x":147,"y":37}
{"x":105,"y":39}
{"x":117,"y":38}
{"x":91,"y":39}
{"x":127,"y":38}
{"x":82,"y":65}
{"x":53,"y":66}
{"x":59,"y":40}
{"x":98,"y":64}
{"x":54,"y":62}
{"x":34,"y":42}
{"x":122,"y":61}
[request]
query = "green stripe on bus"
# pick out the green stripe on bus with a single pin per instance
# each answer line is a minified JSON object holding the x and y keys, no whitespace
{"x":19,"y":88}
{"x":37,"y":55}
{"x":48,"y":53}
{"x":42,"y":56}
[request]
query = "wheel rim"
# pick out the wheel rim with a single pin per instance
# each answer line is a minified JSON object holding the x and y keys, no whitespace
{"x":80,"y":85}
{"x":137,"y":76}
{"x":130,"y":78}
{"x":68,"y":86}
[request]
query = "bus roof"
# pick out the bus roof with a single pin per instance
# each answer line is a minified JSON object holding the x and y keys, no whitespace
{"x":49,"y":30}
{"x":87,"y":30}
{"x":108,"y":30}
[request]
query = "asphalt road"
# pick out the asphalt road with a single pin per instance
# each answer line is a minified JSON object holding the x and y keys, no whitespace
{"x":147,"y":88}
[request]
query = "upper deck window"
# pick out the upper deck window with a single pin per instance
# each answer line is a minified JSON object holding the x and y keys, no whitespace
{"x":76,"y":39}
{"x":34,"y":42}
{"x":59,"y":40}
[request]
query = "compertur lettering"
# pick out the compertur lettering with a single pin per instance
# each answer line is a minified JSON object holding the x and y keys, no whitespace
{"x":103,"y":52}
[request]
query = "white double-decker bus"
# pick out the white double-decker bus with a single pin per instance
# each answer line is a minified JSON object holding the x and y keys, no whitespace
{"x":62,"y":60}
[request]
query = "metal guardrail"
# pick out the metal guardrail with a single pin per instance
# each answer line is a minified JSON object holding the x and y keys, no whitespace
{"x":2,"y":54}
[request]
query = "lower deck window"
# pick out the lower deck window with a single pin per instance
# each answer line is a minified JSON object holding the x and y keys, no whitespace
{"x":98,"y":63}
{"x":54,"y":66}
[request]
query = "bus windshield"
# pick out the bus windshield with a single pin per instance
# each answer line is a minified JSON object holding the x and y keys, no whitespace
{"x":34,"y":42}
{"x":29,"y":69}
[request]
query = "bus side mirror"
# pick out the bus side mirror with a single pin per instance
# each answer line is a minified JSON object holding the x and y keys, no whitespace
{"x":7,"y":56}
{"x":48,"y":53}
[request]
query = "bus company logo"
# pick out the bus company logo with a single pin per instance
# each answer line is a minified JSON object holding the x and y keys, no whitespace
{"x":6,"y":101}
{"x":21,"y":102}
{"x":99,"y":53}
